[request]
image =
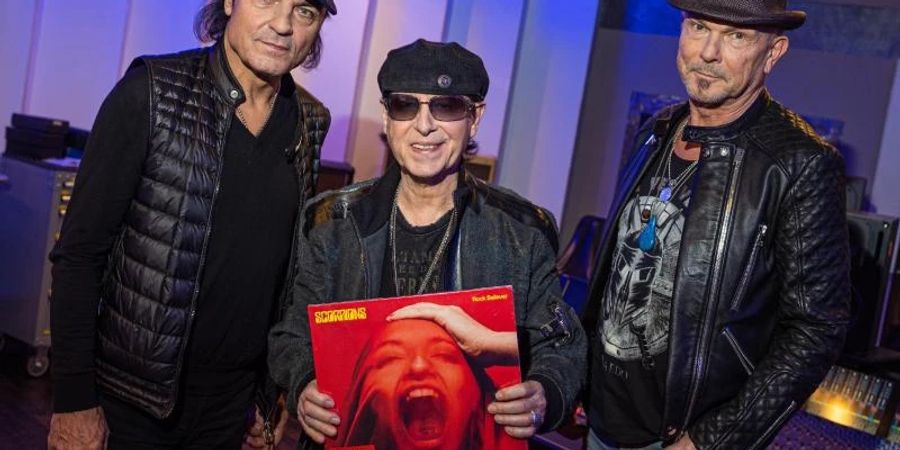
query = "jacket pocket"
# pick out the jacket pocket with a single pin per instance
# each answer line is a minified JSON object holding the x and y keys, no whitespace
{"x":738,"y":351}
{"x":747,"y":274}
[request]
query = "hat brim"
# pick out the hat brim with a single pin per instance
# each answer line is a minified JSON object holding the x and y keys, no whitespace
{"x":787,"y":20}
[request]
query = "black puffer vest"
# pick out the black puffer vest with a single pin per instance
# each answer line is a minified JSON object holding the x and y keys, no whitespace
{"x":153,"y":277}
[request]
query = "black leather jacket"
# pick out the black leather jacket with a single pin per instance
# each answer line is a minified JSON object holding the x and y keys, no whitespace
{"x":501,"y":239}
{"x":762,"y":290}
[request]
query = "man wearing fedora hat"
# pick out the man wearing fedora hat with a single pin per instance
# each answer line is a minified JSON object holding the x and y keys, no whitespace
{"x":721,"y":294}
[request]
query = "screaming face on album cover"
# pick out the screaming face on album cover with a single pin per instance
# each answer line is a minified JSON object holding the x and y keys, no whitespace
{"x":402,"y":380}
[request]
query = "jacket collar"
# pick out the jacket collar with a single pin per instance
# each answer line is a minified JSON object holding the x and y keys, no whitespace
{"x":222,"y":76}
{"x":227,"y":83}
{"x":731,"y":130}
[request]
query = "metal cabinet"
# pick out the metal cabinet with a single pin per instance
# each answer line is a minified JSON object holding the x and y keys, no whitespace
{"x":33,"y":202}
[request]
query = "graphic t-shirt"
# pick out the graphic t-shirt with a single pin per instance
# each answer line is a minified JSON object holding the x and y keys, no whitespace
{"x":415,"y":248}
{"x":637,"y":305}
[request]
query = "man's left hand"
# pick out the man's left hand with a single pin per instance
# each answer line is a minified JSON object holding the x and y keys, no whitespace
{"x":520,"y":408}
{"x":685,"y":443}
{"x":256,"y":435}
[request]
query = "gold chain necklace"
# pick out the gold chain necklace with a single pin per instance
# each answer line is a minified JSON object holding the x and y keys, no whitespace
{"x":243,"y":120}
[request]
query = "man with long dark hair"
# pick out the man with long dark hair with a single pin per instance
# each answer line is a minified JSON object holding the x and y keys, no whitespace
{"x":178,"y":245}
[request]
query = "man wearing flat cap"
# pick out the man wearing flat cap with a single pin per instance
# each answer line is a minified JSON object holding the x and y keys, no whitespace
{"x":176,"y":253}
{"x":429,"y":226}
{"x":722,"y":290}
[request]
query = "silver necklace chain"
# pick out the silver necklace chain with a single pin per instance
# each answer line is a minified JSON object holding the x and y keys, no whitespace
{"x":392,"y":232}
{"x":683,"y":176}
{"x":243,"y":120}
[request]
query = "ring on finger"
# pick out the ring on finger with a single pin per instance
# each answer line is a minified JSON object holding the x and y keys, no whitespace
{"x":536,"y":418}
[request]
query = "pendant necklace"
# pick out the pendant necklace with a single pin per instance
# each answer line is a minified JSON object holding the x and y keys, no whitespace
{"x":667,"y":189}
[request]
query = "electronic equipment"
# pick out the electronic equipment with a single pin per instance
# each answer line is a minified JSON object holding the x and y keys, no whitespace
{"x":855,"y":399}
{"x":32,"y":205}
{"x":41,"y":138}
{"x":872,"y":239}
{"x":482,"y":167}
{"x":333,"y":175}
{"x":856,"y":193}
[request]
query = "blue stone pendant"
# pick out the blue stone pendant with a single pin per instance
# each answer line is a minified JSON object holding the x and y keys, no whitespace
{"x":647,"y":239}
{"x":666,"y":193}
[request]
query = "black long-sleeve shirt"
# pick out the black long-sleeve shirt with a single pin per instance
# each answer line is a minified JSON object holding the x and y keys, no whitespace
{"x":249,"y":245}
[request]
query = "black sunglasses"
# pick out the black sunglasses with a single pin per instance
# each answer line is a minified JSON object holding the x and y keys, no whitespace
{"x":445,"y":108}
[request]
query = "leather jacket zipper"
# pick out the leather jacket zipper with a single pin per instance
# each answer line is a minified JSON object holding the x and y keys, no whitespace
{"x":748,"y":270}
{"x":362,"y":254}
{"x":775,"y":425}
{"x":715,"y":282}
{"x":738,"y":351}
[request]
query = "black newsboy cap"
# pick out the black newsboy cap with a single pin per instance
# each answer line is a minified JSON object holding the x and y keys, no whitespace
{"x":433,"y":68}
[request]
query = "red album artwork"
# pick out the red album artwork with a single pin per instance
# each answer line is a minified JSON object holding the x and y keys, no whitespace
{"x":405,"y":383}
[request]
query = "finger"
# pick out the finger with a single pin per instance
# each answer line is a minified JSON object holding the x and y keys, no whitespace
{"x":320,"y":414}
{"x":280,"y":426}
{"x":422,"y":310}
{"x":255,"y":441}
{"x":323,"y":428}
{"x":317,"y":398}
{"x":514,"y":407}
{"x":319,"y":438}
{"x":514,"y":420}
{"x":279,"y":435}
{"x":518,"y":391}
{"x":256,"y":429}
{"x":520,"y":432}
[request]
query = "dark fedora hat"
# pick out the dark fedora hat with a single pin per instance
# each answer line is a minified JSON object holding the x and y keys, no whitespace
{"x":752,"y":13}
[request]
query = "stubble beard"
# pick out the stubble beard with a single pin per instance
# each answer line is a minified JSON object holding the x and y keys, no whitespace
{"x":702,"y":90}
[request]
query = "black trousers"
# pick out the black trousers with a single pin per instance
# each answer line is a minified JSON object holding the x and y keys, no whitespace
{"x":208,"y":421}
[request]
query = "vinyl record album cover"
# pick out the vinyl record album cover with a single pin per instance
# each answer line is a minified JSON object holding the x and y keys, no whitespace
{"x":407,"y":383}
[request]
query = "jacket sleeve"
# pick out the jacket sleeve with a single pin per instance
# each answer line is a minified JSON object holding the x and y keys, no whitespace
{"x":290,"y":355}
{"x":813,"y":271}
{"x":555,"y":350}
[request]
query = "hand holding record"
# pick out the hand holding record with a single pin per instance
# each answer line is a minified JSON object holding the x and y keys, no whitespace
{"x":476,"y":340}
{"x":315,"y":413}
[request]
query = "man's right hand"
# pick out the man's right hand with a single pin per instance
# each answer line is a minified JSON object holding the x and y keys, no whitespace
{"x":79,"y":430}
{"x":316,"y":414}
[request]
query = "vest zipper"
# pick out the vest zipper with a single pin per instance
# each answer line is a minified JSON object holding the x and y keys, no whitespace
{"x":202,"y":261}
{"x":748,"y":270}
{"x":715,"y":281}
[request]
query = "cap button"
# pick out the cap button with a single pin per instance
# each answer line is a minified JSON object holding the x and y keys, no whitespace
{"x":444,"y":81}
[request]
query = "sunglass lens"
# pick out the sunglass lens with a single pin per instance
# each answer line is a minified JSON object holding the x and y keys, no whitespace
{"x":402,"y":107}
{"x":448,"y":108}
